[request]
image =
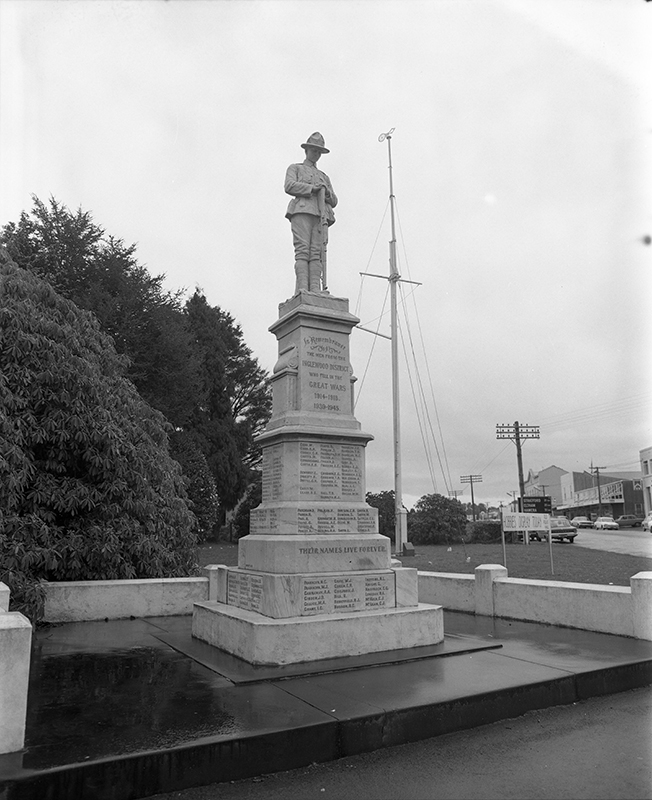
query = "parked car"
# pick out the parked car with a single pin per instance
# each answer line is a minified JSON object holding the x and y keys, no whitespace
{"x":606,"y":524}
{"x":647,"y":522}
{"x":581,"y":522}
{"x":560,"y":529}
{"x":629,"y":520}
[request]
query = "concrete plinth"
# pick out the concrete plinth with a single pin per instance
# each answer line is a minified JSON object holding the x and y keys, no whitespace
{"x":314,"y":579}
{"x":280,"y":595}
{"x":262,"y":640}
{"x":314,"y":553}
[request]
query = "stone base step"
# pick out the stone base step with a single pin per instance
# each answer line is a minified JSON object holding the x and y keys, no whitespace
{"x":262,"y":640}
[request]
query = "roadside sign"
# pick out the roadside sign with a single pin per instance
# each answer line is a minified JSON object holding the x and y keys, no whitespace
{"x":526,"y":523}
{"x":536,"y":505}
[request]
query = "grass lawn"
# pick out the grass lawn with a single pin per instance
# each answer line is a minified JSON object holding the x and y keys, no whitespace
{"x":571,"y":563}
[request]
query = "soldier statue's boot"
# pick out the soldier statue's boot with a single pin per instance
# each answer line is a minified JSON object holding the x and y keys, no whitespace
{"x":301,"y":271}
{"x":315,"y":276}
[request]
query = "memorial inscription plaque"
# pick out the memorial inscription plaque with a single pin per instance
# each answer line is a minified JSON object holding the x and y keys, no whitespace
{"x":342,"y":593}
{"x":244,"y":591}
{"x":327,"y":371}
{"x":272,"y":473}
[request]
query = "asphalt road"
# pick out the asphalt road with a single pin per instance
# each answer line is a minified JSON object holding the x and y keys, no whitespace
{"x":598,"y":748}
{"x":631,"y":541}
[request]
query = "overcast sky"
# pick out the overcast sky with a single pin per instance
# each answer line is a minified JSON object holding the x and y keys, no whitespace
{"x":522,"y":174}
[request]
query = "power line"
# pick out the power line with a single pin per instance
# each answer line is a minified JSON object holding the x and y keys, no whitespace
{"x":632,"y":464}
{"x":420,"y":421}
{"x":600,"y":411}
{"x":445,"y":469}
{"x":425,"y":411}
{"x":371,"y":352}
{"x":371,"y":255}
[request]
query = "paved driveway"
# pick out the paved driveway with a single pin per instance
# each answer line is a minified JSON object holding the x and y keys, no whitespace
{"x":593,"y":749}
{"x":631,"y":541}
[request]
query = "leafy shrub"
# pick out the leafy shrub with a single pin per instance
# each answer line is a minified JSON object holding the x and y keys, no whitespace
{"x":436,"y":519}
{"x":88,"y":489}
{"x":482,"y":531}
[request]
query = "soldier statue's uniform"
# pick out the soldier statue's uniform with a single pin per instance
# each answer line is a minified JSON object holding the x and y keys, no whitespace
{"x":310,"y":213}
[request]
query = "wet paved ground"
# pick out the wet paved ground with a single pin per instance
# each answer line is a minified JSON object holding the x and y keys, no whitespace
{"x":126,"y":709}
{"x":596,"y":749}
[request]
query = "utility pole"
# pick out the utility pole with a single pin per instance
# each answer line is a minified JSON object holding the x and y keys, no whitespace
{"x":518,"y":433}
{"x":597,"y":474}
{"x":471,"y":479}
{"x":513,"y":502}
{"x":454,"y":492}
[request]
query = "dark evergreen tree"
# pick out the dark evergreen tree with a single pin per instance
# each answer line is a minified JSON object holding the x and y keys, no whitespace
{"x":101,"y":274}
{"x":234,"y":400}
{"x":200,"y":483}
{"x":188,"y":362}
{"x":88,"y":489}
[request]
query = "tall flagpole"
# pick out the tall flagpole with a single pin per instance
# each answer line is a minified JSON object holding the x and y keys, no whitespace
{"x":400,"y":514}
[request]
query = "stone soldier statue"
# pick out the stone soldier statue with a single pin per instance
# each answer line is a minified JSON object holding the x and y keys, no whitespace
{"x":310,"y":213}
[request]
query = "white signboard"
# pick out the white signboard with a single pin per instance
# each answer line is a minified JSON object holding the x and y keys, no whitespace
{"x":526,"y":522}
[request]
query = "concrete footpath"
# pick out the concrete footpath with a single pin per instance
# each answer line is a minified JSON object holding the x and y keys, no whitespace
{"x":598,"y":749}
{"x":128,"y":709}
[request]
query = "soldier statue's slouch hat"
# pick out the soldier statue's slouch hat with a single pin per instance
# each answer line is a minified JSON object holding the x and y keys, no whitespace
{"x":316,"y":140}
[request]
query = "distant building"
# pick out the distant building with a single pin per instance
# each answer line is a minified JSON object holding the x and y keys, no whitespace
{"x":646,"y":477}
{"x":545,"y":483}
{"x":617,"y":493}
{"x":571,"y":484}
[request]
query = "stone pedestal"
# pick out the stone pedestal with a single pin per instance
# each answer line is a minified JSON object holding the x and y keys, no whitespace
{"x":314,"y":577}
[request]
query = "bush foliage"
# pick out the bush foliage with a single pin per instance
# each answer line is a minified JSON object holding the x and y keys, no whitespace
{"x":436,"y":519}
{"x":483,"y":531}
{"x":88,"y":489}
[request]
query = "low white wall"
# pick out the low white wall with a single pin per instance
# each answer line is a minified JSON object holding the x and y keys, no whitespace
{"x":15,"y":651}
{"x":452,"y":590}
{"x":622,"y":610}
{"x":4,"y":597}
{"x":588,"y":606}
{"x":80,"y":601}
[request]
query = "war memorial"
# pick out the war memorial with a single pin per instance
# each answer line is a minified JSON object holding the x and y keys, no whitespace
{"x":319,"y":644}
{"x":314,"y":579}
